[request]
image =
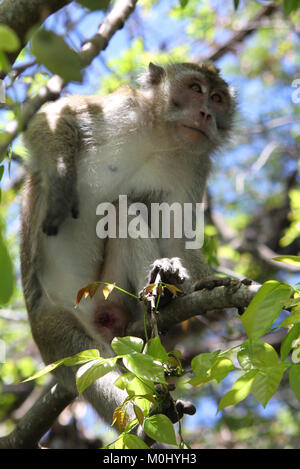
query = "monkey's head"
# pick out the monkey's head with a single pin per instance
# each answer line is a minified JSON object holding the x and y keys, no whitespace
{"x":194,"y":101}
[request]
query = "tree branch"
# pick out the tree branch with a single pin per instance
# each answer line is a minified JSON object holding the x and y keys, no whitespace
{"x":238,"y":37}
{"x":35,"y":423}
{"x":22,"y":15}
{"x":198,"y":303}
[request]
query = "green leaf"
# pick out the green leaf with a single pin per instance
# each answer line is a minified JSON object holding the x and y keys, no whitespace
{"x":287,"y":342}
{"x":94,"y":4}
{"x":156,"y":350}
{"x":125,"y":345}
{"x":123,"y":380}
{"x":91,"y":371}
{"x":266,"y":383}
{"x":128,"y":441}
{"x":136,"y":386}
{"x":139,"y":388}
{"x":203,"y":362}
{"x":221,"y":369}
{"x":256,"y":354}
{"x":144,"y":367}
{"x":264,"y":308}
{"x":139,"y":414}
{"x":294,"y":260}
{"x":290,"y":5}
{"x":81,"y":357}
{"x":290,"y":320}
{"x":9,"y":41}
{"x":4,"y":63}
{"x":183,"y":3}
{"x":218,"y":371}
{"x":240,"y":390}
{"x":294,"y":380}
{"x":236,"y":4}
{"x":296,"y":353}
{"x":77,"y":359}
{"x":52,"y":51}
{"x":45,"y":370}
{"x":7,"y":278}
{"x":160,"y":428}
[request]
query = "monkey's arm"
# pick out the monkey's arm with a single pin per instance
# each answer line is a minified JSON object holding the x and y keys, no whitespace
{"x":53,"y":141}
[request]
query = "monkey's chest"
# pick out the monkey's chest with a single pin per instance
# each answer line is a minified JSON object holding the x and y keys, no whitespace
{"x":133,"y":169}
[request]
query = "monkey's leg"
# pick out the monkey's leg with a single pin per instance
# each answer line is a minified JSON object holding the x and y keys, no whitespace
{"x":211,"y":282}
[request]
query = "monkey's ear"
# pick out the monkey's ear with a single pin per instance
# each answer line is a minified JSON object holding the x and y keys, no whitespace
{"x":156,"y":73}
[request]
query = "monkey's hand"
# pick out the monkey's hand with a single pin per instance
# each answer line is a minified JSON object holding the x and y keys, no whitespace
{"x":169,"y":271}
{"x":61,"y":203}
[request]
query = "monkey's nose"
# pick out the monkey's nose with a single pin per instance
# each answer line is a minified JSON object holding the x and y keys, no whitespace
{"x":205,"y":116}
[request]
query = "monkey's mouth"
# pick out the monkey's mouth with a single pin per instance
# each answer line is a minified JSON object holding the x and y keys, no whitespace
{"x":195,"y":128}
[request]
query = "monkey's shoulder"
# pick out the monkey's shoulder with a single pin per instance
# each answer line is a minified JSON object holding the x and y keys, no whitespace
{"x":126,"y":103}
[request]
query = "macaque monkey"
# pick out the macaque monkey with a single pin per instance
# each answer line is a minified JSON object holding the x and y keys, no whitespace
{"x":152,"y":144}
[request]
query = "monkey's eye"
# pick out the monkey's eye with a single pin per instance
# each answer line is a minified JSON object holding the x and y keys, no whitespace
{"x":217,"y":98}
{"x":195,"y":87}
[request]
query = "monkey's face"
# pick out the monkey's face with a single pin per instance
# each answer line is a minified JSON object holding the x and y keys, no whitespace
{"x":200,"y":110}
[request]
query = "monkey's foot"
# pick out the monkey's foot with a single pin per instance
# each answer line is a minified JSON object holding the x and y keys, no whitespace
{"x":209,"y":283}
{"x":233,"y":284}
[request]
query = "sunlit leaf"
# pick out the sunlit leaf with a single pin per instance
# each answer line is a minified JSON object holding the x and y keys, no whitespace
{"x":265,"y":383}
{"x":128,"y":344}
{"x":240,"y":390}
{"x":128,"y":441}
{"x":294,"y":380}
{"x":156,"y":350}
{"x":256,"y":354}
{"x":294,"y":260}
{"x":218,"y":371}
{"x":90,"y":372}
{"x":88,"y":290}
{"x":107,"y":289}
{"x":264,"y":308}
{"x":290,"y":320}
{"x":120,"y":418}
{"x":123,"y":381}
{"x":160,"y":428}
{"x":81,"y":357}
{"x":45,"y":370}
{"x":145,"y":367}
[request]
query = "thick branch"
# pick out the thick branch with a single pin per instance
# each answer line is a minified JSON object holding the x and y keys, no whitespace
{"x":37,"y":421}
{"x":22,"y":15}
{"x":113,"y":22}
{"x":198,"y":303}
